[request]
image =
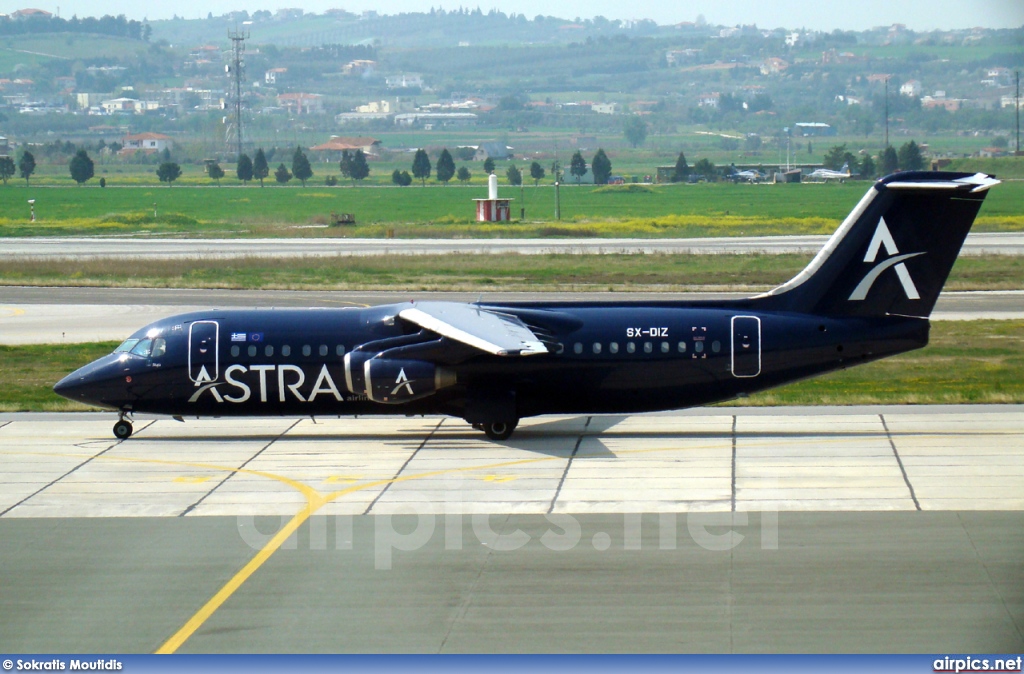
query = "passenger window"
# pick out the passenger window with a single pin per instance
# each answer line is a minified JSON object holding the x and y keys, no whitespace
{"x":235,"y":351}
{"x":681,"y":347}
{"x":323,"y":349}
{"x":716,"y":346}
{"x":286,"y":350}
{"x":306,"y":350}
{"x":577,"y":347}
{"x":252,"y":350}
{"x":268,"y":351}
{"x":614,"y":347}
{"x":597,"y":347}
{"x":664,"y":347}
{"x":630,"y":347}
{"x":698,"y":347}
{"x":143,"y":348}
{"x":648,"y":347}
{"x":339,"y":350}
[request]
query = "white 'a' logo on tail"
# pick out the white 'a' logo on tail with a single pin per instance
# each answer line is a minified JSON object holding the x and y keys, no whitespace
{"x":883,"y":238}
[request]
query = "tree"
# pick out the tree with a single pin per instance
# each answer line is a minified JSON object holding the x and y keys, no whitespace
{"x":577,"y":166}
{"x":536,"y":172}
{"x":488,"y":165}
{"x":300,"y":166}
{"x":705,"y":168}
{"x":260,"y":169}
{"x":445,"y":166}
{"x":867,"y":167}
{"x":682,"y":169}
{"x":282,"y":175}
{"x":81,"y":167}
{"x":359,"y":168}
{"x":463,"y":174}
{"x":836,"y":157}
{"x":215,"y":172}
{"x":7,"y":168}
{"x":421,"y":166}
{"x":244,"y":168}
{"x":26,"y":165}
{"x":515,"y":176}
{"x":910,"y":158}
{"x":888,"y":160}
{"x":168,"y":172}
{"x":635,"y":130}
{"x":165,"y":156}
{"x":345,"y":166}
{"x":601,"y":165}
{"x":401,"y":178}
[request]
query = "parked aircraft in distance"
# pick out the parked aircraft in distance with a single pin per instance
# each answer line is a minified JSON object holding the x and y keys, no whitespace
{"x":865,"y":296}
{"x":748,"y":176}
{"x":825,"y":174}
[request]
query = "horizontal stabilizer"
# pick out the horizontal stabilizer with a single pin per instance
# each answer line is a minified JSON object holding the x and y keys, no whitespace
{"x":498,"y":334}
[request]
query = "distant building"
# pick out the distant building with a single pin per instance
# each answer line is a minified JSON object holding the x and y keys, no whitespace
{"x":773,"y":66}
{"x":605,"y":108}
{"x":302,"y":104}
{"x":911,"y":88}
{"x":146,"y":142}
{"x":270,"y":76}
{"x":338,"y":144}
{"x":806,"y":129}
{"x":128,"y":105}
{"x":440,"y":118}
{"x":709,"y":100}
{"x":405,"y":82}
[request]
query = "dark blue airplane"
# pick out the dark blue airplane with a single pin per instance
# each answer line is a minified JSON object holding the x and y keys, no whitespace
{"x":866,"y":295}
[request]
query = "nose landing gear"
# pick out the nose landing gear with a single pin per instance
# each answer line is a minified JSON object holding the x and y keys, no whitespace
{"x":123,"y":428}
{"x":499,"y":430}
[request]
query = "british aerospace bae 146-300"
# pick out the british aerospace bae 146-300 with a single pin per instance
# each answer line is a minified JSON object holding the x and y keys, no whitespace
{"x":866,"y":295}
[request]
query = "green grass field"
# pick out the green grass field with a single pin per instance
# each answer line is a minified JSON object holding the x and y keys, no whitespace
{"x":436,"y":211}
{"x":484,"y":273}
{"x":966,"y":362}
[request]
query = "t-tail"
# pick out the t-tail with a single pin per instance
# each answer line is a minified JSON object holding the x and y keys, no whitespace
{"x":893,"y":253}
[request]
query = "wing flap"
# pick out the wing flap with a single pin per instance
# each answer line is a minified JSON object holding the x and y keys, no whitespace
{"x":498,"y":334}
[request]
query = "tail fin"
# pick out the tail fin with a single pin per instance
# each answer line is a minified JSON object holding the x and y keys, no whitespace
{"x":892,"y":254}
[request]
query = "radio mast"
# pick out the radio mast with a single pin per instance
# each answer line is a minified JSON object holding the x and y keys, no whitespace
{"x":233,"y":133}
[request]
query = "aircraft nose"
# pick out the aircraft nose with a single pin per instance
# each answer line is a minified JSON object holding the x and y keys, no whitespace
{"x":98,"y":383}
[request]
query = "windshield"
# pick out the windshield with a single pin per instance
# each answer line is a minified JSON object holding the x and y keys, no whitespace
{"x":126,"y":346}
{"x":147,"y":348}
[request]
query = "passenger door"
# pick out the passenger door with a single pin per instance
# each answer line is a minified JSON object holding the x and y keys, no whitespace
{"x":746,"y":346}
{"x":203,"y":358}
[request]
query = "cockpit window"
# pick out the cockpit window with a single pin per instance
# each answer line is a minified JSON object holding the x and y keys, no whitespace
{"x":159,"y":348}
{"x":143,"y":348}
{"x":126,"y":346}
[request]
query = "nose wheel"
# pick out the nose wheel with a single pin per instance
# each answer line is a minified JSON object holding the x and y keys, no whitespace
{"x":123,"y":429}
{"x":500,"y":430}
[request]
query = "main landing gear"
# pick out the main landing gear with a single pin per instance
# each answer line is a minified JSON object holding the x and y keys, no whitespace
{"x":498,"y":430}
{"x":123,"y":428}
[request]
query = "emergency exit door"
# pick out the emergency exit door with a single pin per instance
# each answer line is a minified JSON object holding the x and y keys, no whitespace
{"x":746,"y":346}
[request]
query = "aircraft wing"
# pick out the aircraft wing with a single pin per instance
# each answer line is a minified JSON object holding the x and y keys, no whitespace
{"x":487,"y":330}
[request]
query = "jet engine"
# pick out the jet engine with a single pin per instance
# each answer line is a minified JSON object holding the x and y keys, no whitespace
{"x":401,"y":381}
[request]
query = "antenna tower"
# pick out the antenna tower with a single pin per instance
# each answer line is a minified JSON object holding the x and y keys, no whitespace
{"x":233,"y":133}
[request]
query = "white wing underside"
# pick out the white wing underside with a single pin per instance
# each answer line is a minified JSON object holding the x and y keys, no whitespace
{"x":499,"y":334}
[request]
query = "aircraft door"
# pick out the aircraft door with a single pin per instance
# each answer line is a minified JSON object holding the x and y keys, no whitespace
{"x":746,"y":346}
{"x":203,"y":357}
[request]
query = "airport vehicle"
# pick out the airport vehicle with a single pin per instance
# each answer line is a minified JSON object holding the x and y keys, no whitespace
{"x":825,"y":174}
{"x":866,"y":295}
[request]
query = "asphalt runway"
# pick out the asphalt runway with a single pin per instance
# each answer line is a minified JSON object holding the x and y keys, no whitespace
{"x":980,"y":243}
{"x":892,"y":529}
{"x":32,"y":315}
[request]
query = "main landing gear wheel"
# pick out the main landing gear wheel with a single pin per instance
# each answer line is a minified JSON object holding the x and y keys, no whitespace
{"x":123,"y":429}
{"x":500,"y":430}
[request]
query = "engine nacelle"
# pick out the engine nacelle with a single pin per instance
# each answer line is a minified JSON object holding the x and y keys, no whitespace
{"x":354,"y":362}
{"x":401,"y":381}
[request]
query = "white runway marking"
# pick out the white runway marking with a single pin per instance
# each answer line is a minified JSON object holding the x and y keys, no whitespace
{"x":962,"y":458}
